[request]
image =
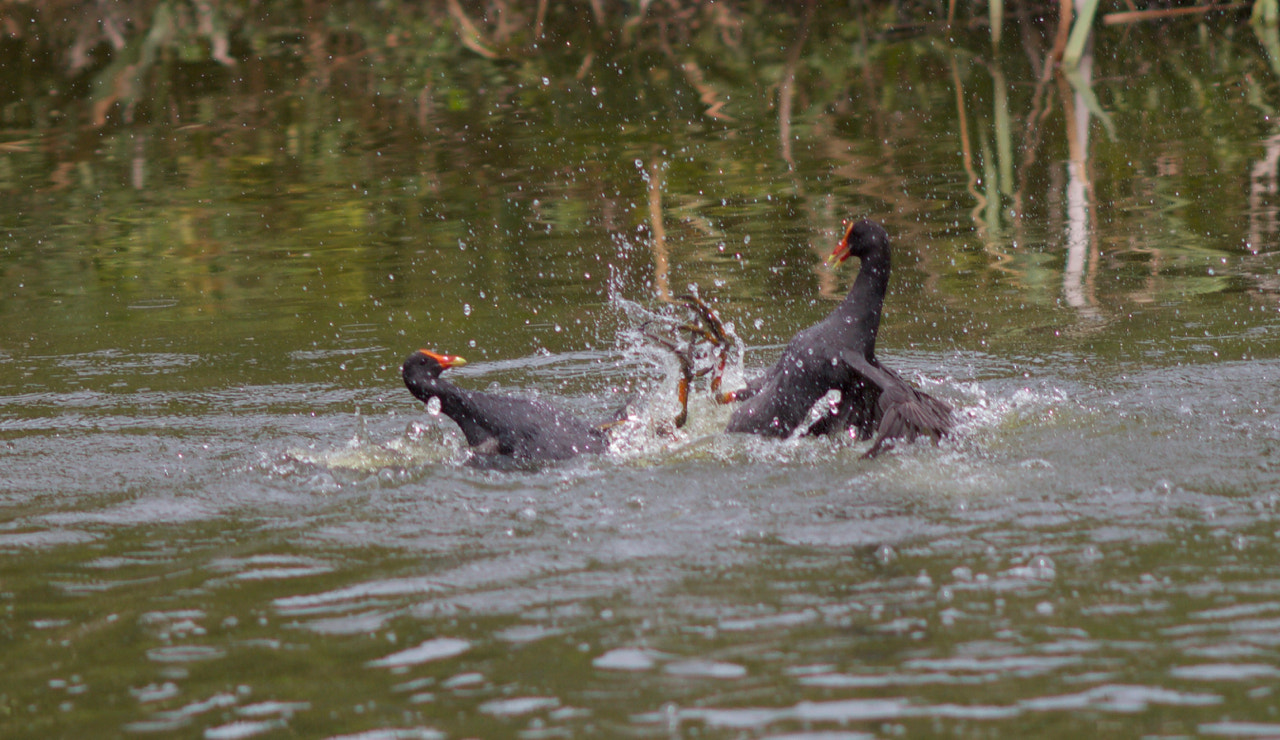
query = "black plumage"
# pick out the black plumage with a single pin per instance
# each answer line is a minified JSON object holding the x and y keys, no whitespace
{"x":522,"y":429}
{"x":838,"y":353}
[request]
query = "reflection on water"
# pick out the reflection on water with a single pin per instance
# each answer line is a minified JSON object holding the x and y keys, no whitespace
{"x":1080,"y":241}
{"x":224,"y":516}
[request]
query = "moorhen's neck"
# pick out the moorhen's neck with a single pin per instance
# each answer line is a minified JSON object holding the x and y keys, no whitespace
{"x":455,"y":402}
{"x":422,"y":377}
{"x":860,"y":310}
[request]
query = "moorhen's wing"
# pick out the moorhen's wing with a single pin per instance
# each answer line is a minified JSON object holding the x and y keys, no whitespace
{"x":903,"y":411}
{"x":532,"y":430}
{"x":856,"y":411}
{"x":909,"y":413}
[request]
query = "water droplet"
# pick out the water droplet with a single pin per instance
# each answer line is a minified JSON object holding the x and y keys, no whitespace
{"x":466,"y":309}
{"x":1041,"y":566}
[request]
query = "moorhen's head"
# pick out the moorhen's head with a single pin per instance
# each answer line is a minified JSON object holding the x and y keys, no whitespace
{"x":860,"y":240}
{"x":427,"y":364}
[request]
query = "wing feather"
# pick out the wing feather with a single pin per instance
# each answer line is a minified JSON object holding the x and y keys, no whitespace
{"x":903,"y":412}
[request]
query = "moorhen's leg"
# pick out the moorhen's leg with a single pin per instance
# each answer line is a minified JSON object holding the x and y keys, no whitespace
{"x":715,"y":334}
{"x":620,"y":417}
{"x":685,"y":355}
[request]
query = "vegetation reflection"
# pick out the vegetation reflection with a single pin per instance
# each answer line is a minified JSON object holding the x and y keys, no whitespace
{"x":220,"y":140}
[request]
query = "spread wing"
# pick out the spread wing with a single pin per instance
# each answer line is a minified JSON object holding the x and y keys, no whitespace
{"x":903,"y":412}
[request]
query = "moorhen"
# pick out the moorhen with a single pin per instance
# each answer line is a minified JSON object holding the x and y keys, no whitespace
{"x":838,"y":353}
{"x":518,"y":428}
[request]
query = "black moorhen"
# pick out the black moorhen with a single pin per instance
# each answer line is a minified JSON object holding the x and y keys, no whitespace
{"x":519,"y":428}
{"x":838,"y":353}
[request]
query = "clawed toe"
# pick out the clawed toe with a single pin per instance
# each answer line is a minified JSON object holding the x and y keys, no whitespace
{"x":712,"y":329}
{"x":714,"y":332}
{"x":705,"y":328}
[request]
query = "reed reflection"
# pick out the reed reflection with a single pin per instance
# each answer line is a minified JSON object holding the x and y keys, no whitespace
{"x":1262,"y":191}
{"x":1079,"y":273}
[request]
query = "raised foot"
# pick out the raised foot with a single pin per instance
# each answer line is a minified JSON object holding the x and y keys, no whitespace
{"x":713,"y":331}
{"x":685,"y":338}
{"x":684,"y":354}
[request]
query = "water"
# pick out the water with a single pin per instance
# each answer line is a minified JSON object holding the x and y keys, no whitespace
{"x":224,"y":516}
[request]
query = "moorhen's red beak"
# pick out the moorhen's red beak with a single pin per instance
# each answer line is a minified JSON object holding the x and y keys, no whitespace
{"x":446,"y":361}
{"x":841,"y":252}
